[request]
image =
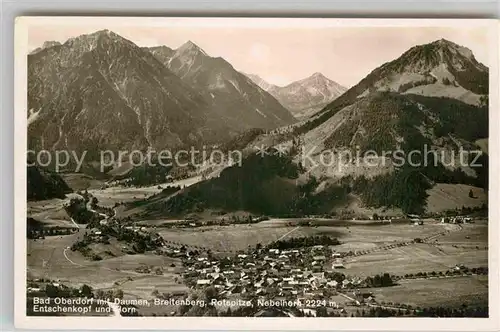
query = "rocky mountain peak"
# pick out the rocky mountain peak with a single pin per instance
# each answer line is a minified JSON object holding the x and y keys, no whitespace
{"x":46,"y":44}
{"x":51,"y":43}
{"x":190,"y":48}
{"x":318,"y":75}
{"x":440,"y":52}
{"x":102,"y":38}
{"x":439,"y":69}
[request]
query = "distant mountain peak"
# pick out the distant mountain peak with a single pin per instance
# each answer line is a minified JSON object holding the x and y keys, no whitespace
{"x":441,"y":51}
{"x":303,"y":97}
{"x":160,"y":47}
{"x":315,"y":79}
{"x":105,"y":33}
{"x":190,"y":47}
{"x":445,"y":42}
{"x":98,"y":39}
{"x":46,"y":44}
{"x":318,"y":75}
{"x":51,"y":43}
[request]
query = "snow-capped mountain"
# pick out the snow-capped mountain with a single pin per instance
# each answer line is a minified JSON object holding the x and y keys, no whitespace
{"x":231,"y":95}
{"x":304,"y":97}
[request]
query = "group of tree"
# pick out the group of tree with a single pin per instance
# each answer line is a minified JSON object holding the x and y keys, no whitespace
{"x":300,"y":242}
{"x":44,"y":184}
{"x":482,"y":270}
{"x":77,"y":209}
{"x":147,"y":174}
{"x":384,"y":280}
{"x":260,"y":184}
{"x":140,"y":241}
{"x":462,"y":311}
{"x":109,"y":294}
{"x":82,"y":248}
{"x":49,"y":231}
{"x":63,"y":291}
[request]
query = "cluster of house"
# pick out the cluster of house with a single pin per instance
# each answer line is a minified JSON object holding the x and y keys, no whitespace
{"x":98,"y":231}
{"x":457,"y":220}
{"x":270,"y":273}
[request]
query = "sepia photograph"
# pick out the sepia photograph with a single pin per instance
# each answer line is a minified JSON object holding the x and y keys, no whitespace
{"x":241,"y":167}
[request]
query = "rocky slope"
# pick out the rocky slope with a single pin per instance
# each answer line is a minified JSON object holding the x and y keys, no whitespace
{"x":101,"y":91}
{"x":232,"y":96}
{"x":47,"y":44}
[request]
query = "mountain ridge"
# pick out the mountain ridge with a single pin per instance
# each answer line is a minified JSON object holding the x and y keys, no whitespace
{"x":235,"y":98}
{"x":96,"y":91}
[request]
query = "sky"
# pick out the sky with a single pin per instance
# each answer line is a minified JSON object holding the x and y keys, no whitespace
{"x":283,"y":55}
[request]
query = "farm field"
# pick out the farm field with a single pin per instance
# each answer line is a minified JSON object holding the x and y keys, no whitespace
{"x":239,"y":237}
{"x":446,"y":196}
{"x":466,"y":246}
{"x":51,"y":258}
{"x":477,"y":234}
{"x":413,"y":259}
{"x":143,"y":287}
{"x":50,"y":213}
{"x":110,"y":196}
{"x":80,"y":181}
{"x":449,"y":292}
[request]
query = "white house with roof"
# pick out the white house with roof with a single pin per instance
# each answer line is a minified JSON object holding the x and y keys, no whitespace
{"x":203,"y":282}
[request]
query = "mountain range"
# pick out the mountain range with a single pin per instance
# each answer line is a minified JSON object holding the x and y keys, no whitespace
{"x":304,"y":97}
{"x":433,"y":95}
{"x":101,"y":91}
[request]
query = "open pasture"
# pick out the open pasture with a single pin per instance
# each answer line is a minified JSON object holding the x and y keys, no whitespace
{"x":413,"y":259}
{"x":50,"y":212}
{"x":81,"y":181}
{"x":238,"y":237}
{"x":440,"y":255}
{"x":51,"y":258}
{"x":143,"y":287}
{"x":449,"y":292}
{"x":108,"y":197}
{"x":119,"y":194}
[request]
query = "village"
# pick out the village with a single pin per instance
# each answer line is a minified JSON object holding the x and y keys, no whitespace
{"x":307,"y":275}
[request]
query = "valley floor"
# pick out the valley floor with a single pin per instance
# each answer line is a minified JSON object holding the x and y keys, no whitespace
{"x":374,"y":248}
